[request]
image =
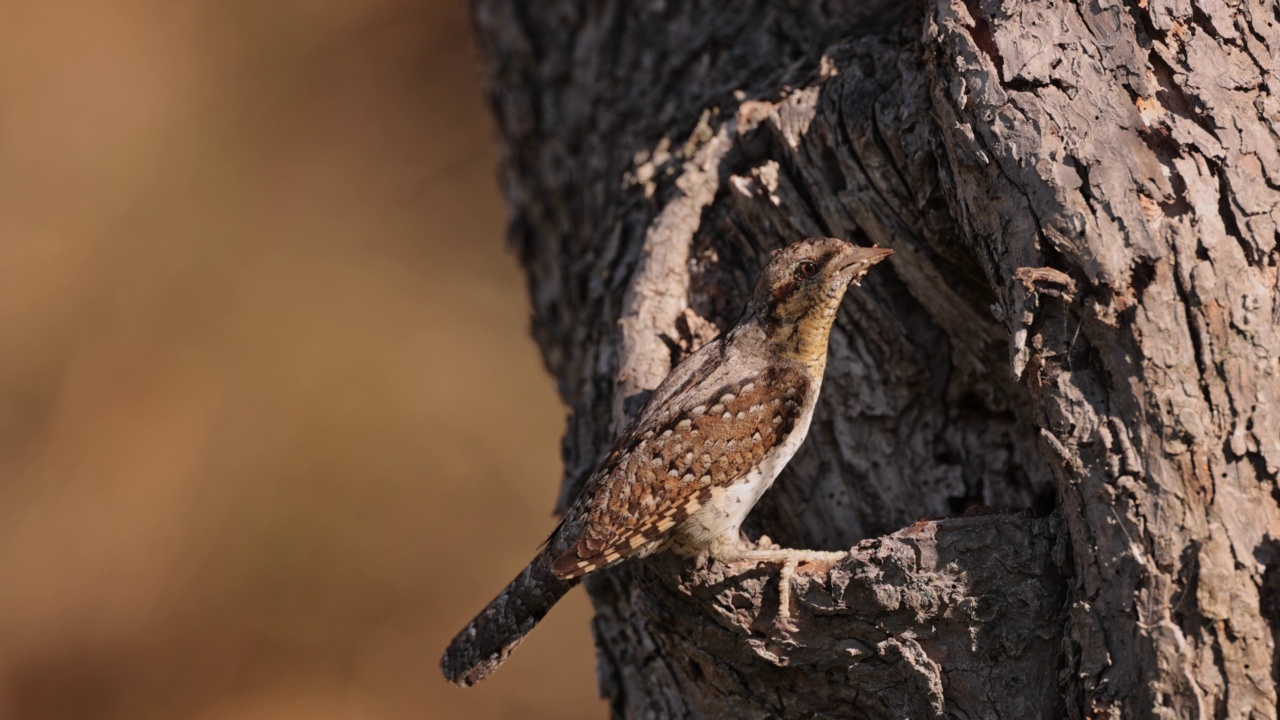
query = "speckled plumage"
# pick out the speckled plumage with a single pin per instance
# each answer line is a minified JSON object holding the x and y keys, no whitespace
{"x":663,"y":472}
{"x":708,"y":443}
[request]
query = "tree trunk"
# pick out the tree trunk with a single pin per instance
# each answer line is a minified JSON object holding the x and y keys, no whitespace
{"x":1073,"y":353}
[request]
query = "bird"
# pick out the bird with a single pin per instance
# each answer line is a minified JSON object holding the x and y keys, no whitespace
{"x":699,"y":454}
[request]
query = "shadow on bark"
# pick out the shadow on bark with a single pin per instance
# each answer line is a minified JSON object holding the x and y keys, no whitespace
{"x":954,"y":617}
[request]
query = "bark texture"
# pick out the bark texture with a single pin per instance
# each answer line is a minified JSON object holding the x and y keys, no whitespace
{"x":1081,"y":314}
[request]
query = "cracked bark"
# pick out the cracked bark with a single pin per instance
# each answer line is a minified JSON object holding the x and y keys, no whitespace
{"x":1079,"y":324}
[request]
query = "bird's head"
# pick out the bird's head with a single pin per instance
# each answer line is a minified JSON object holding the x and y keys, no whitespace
{"x":799,"y":291}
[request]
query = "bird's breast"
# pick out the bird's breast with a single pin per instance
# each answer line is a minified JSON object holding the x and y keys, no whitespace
{"x":722,"y":514}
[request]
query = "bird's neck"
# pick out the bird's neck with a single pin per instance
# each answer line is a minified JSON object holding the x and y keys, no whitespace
{"x":801,"y":338}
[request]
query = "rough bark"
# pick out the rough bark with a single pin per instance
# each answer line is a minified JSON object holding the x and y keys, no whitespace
{"x":1081,"y":314}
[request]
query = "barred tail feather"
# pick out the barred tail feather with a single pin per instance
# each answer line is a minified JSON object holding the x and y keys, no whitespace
{"x":486,"y":641}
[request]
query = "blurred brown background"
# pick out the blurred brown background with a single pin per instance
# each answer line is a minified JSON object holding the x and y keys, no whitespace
{"x":272,"y":427}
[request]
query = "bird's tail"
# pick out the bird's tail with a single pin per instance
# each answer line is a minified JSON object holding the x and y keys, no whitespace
{"x":486,"y":641}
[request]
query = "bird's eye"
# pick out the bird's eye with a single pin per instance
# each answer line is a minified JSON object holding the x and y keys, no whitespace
{"x":807,"y":269}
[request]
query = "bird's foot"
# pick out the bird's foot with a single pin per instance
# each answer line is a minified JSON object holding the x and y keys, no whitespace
{"x":788,"y":558}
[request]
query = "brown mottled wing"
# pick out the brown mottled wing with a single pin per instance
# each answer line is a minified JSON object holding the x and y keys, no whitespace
{"x":664,"y":469}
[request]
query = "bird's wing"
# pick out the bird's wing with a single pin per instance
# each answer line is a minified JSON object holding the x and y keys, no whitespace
{"x":676,"y":458}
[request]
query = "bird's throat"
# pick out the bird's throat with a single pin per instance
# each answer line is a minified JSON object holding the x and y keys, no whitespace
{"x":805,"y":338}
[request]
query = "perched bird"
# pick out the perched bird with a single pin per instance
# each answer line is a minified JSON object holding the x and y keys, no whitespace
{"x":707,"y":444}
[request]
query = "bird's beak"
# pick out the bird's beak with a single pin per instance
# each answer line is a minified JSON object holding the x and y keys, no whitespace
{"x":860,"y":259}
